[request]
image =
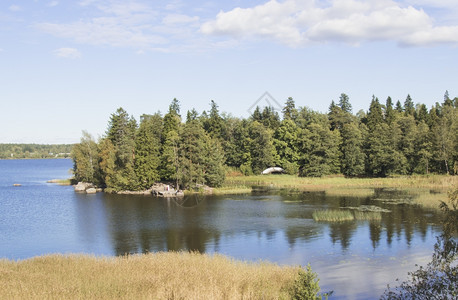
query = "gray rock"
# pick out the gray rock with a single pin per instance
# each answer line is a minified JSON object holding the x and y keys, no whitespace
{"x":91,"y":191}
{"x":83,"y":186}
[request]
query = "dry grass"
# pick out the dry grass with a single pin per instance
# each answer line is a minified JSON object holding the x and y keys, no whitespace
{"x":440,"y":182}
{"x":152,"y":276}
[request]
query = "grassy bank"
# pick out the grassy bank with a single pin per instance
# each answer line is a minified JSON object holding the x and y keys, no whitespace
{"x":439,"y":182}
{"x":425,"y":190}
{"x":152,"y":276}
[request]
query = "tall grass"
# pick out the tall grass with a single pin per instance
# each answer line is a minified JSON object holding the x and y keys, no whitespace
{"x":151,"y":276}
{"x":332,"y":182}
{"x":332,"y":215}
{"x":345,"y":215}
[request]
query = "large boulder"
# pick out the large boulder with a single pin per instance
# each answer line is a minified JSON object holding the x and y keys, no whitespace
{"x":91,"y":191}
{"x":81,"y":187}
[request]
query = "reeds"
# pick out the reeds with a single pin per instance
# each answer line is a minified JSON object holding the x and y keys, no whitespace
{"x":151,"y":276}
{"x":440,"y":182}
{"x":332,"y":215}
{"x":345,"y":215}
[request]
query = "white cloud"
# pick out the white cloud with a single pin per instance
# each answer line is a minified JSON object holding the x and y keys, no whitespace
{"x":299,"y":23}
{"x":132,"y":24}
{"x":53,"y":3}
{"x":71,"y":53}
{"x":15,"y":8}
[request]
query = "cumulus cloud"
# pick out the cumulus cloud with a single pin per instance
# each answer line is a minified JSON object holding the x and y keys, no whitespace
{"x":304,"y":22}
{"x":71,"y":53}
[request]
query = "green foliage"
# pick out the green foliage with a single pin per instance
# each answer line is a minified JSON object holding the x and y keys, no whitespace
{"x":85,"y":160}
{"x":147,"y":151}
{"x":380,"y":142}
{"x":352,"y":150}
{"x":306,"y":286}
{"x":438,"y":280}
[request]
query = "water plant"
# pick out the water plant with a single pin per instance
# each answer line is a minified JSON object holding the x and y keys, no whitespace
{"x":332,"y":215}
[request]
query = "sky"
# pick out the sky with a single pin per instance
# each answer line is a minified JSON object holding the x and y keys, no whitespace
{"x":66,"y":66}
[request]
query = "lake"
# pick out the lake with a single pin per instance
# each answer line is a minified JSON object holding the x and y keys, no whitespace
{"x":355,"y":259}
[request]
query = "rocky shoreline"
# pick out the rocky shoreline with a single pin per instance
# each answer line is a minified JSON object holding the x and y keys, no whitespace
{"x":157,"y":190}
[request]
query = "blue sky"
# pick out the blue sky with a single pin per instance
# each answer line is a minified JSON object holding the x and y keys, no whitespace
{"x":67,"y":65}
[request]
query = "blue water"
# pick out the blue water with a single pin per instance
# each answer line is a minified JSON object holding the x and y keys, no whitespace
{"x":355,"y":259}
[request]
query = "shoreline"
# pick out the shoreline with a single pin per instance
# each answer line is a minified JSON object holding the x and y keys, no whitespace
{"x":336,"y":185}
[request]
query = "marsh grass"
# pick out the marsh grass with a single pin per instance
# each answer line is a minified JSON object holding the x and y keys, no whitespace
{"x":332,"y":215}
{"x":439,"y":182}
{"x":368,"y":216}
{"x":150,"y":276}
{"x":232,"y":190}
{"x":346,"y":215}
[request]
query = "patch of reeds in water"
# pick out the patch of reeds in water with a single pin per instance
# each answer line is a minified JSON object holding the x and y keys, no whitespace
{"x":346,"y":215}
{"x":333,"y":215}
{"x":152,"y":276}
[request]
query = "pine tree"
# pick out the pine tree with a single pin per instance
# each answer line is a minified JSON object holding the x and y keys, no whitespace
{"x":344,"y":103}
{"x":409,"y":107}
{"x":147,"y":150}
{"x":121,"y":132}
{"x":289,"y":110}
{"x":170,"y":141}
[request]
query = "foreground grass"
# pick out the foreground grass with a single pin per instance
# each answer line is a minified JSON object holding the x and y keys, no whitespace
{"x":151,"y":276}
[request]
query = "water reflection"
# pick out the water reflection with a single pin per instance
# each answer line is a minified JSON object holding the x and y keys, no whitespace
{"x":140,"y":224}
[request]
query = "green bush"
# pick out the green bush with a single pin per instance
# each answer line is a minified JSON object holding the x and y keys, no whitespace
{"x":306,"y":286}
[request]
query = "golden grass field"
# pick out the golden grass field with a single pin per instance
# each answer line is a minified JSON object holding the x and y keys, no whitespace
{"x":167,"y":275}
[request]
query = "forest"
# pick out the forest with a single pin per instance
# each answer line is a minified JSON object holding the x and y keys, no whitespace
{"x":19,"y":151}
{"x":200,"y":149}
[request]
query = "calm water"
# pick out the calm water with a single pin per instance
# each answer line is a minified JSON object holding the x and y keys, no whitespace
{"x":355,"y":259}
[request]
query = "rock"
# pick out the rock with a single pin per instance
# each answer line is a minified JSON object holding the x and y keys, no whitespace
{"x":91,"y":191}
{"x":83,"y":186}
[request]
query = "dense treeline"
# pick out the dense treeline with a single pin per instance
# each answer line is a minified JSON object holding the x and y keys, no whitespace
{"x":15,"y":151}
{"x":387,"y":139}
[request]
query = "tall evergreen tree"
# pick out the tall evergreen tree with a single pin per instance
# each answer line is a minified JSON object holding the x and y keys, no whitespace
{"x":214,"y":124}
{"x":409,"y":106}
{"x":375,"y":114}
{"x":147,"y":150}
{"x":389,"y":111}
{"x":170,"y":141}
{"x":344,"y":103}
{"x":121,"y":132}
{"x":289,"y":110}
